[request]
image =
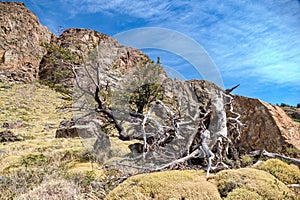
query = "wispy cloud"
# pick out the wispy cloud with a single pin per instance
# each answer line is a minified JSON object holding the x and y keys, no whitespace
{"x":135,"y":8}
{"x":284,"y":73}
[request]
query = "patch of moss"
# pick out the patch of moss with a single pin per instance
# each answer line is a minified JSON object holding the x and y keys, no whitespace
{"x":243,"y":194}
{"x":288,"y":174}
{"x":258,"y":181}
{"x":166,"y":185}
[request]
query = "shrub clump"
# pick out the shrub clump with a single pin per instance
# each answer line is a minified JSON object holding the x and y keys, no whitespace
{"x":166,"y":185}
{"x":288,"y":174}
{"x":243,"y":194}
{"x":254,"y":180}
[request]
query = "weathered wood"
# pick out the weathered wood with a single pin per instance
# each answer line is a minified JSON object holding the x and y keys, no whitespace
{"x":228,"y":91}
{"x":275,"y":155}
{"x":181,"y":160}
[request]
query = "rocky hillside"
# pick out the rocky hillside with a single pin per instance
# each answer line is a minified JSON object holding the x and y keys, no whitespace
{"x":127,"y":112}
{"x":20,"y":37}
{"x":82,"y":43}
{"x":23,"y":58}
{"x":29,"y":52}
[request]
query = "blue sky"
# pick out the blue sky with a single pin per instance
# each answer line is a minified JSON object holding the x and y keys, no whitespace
{"x":255,"y":43}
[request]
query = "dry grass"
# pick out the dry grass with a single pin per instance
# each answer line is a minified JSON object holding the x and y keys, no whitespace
{"x":55,"y":189}
{"x":31,"y":167}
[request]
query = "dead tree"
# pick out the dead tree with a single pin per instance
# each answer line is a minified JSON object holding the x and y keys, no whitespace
{"x":173,"y":124}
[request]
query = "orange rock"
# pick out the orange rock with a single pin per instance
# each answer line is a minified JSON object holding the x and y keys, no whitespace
{"x":267,"y":127}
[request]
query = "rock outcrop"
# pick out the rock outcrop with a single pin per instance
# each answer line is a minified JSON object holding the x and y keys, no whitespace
{"x":89,"y":131}
{"x":85,"y":43}
{"x":267,"y":127}
{"x":20,"y":37}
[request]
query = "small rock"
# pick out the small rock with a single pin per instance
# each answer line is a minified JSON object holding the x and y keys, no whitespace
{"x":13,"y":125}
{"x":9,"y":136}
{"x":2,"y":151}
{"x":66,"y":129}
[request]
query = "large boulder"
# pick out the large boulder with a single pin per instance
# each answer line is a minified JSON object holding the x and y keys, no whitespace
{"x":20,"y":37}
{"x":70,"y":128}
{"x":266,"y":126}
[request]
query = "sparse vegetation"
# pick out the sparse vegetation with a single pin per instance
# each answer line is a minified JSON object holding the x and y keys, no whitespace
{"x":292,"y":151}
{"x":45,"y":166}
{"x":41,"y":164}
{"x":246,"y":160}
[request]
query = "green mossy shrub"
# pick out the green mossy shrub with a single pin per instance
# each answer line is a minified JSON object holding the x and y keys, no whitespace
{"x":166,"y":185}
{"x":288,"y":174}
{"x":243,"y":194}
{"x":258,"y":181}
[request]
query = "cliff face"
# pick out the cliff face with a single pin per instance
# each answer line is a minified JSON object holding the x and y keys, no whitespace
{"x":20,"y":38}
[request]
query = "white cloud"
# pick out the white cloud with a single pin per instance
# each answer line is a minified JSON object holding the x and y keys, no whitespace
{"x":258,"y":38}
{"x":285,"y":73}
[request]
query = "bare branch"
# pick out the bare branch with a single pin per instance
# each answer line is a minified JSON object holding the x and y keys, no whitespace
{"x":228,"y":91}
{"x":181,"y":160}
{"x":275,"y":155}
